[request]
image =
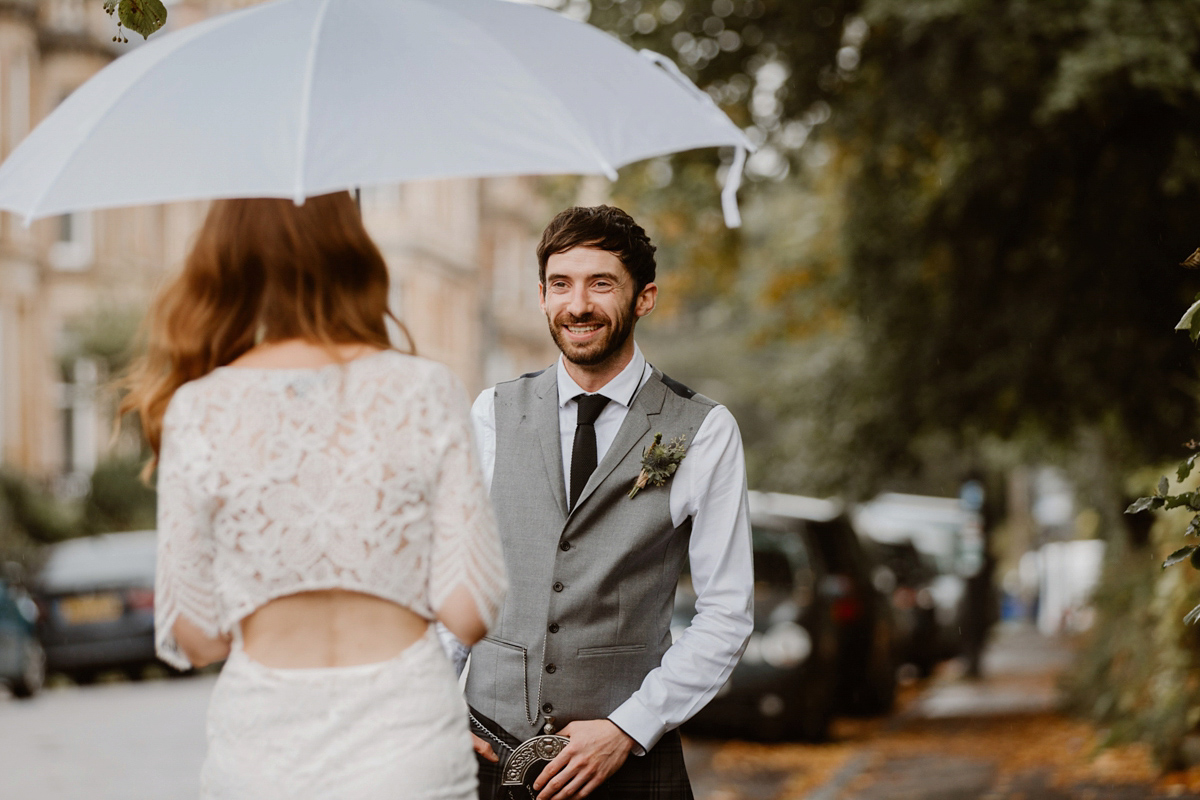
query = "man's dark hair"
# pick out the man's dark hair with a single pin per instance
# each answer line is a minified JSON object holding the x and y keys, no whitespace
{"x":604,"y":228}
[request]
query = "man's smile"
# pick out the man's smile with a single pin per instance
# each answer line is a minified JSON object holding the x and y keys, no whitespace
{"x":582,"y":332}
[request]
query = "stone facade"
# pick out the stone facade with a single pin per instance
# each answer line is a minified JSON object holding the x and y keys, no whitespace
{"x":461,"y":254}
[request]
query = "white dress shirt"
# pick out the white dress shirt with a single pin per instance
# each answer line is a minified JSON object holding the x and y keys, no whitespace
{"x":709,"y":487}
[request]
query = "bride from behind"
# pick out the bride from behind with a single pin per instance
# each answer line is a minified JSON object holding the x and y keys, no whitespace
{"x":320,"y":505}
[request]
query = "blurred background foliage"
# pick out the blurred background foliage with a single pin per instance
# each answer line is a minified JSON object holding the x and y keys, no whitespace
{"x":960,"y":254}
{"x":114,"y":497}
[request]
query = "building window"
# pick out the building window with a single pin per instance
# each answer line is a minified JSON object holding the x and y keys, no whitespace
{"x":78,"y":408}
{"x":18,"y":100}
{"x":72,"y":247}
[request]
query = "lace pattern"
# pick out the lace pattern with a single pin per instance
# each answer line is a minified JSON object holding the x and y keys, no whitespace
{"x":360,"y":476}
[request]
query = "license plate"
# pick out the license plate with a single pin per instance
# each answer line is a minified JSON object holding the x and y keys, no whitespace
{"x":87,"y":608}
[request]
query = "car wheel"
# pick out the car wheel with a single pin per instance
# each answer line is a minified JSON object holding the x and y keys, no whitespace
{"x":33,"y":672}
{"x":84,"y":677}
{"x":880,"y":693}
{"x":812,"y":723}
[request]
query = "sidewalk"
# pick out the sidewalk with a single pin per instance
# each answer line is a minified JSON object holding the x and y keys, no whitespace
{"x":997,"y":737}
{"x":951,"y":738}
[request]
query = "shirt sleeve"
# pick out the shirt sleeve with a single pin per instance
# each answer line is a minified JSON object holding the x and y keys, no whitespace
{"x":184,"y":583}
{"x":710,"y":487}
{"x":466,"y":545}
{"x":483,"y":422}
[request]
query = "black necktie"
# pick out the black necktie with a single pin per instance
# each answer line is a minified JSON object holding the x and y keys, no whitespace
{"x":583,"y":452}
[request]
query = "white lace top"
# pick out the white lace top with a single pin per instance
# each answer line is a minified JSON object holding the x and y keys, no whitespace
{"x":360,"y":476}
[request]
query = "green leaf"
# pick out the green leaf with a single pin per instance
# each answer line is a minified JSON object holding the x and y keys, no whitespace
{"x":1180,"y":555}
{"x":1192,"y":616}
{"x":1186,"y":467}
{"x":142,"y":16}
{"x":1163,"y":485}
{"x":1189,"y":499}
{"x":1145,"y":504}
{"x":1193,"y":527}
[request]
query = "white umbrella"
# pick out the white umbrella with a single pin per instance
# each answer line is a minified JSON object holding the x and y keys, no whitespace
{"x":296,"y":98}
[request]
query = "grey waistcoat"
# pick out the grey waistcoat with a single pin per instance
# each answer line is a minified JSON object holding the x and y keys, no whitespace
{"x":593,"y":588}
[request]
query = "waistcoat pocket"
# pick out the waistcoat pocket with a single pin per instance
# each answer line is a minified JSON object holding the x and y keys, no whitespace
{"x":610,"y":650}
{"x":503,"y":643}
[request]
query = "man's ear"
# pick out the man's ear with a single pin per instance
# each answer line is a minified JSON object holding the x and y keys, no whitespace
{"x":542,"y":296}
{"x":646,"y":300}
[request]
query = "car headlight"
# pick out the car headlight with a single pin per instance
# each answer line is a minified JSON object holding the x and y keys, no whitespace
{"x":785,"y":645}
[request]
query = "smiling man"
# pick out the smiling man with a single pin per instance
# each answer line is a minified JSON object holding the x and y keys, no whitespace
{"x":583,"y":647}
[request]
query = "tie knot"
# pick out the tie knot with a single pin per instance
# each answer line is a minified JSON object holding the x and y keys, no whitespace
{"x":590,"y":406}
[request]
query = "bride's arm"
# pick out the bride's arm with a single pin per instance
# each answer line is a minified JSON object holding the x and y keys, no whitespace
{"x":461,"y":616}
{"x":186,"y":625}
{"x":199,"y":648}
{"x":467,"y":576}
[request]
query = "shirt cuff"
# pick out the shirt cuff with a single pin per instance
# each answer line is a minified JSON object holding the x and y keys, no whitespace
{"x":455,"y":650}
{"x":639,"y":723}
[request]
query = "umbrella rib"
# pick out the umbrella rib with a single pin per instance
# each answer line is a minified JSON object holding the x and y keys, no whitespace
{"x":306,"y":103}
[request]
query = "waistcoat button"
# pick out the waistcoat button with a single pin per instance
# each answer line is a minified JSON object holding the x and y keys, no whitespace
{"x":554,"y":627}
{"x":551,"y":668}
{"x":565,"y":546}
{"x":547,"y":709}
{"x":558,"y":587}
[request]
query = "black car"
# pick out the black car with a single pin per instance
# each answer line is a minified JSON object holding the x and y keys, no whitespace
{"x":783,"y":688}
{"x":906,"y":576}
{"x":22,"y":660}
{"x":97,"y":599}
{"x":861,"y":614}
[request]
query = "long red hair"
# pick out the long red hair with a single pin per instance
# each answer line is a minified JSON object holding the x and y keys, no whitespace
{"x":262,"y":270}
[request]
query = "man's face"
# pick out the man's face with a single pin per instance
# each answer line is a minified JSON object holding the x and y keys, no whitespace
{"x":590,"y":303}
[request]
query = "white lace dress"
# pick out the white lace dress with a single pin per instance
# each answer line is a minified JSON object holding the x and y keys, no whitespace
{"x":361,"y":477}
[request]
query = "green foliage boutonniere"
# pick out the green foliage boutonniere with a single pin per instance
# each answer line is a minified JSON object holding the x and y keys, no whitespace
{"x":659,"y":462}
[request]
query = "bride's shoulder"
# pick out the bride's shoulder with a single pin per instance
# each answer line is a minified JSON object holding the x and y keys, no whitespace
{"x":416,"y":373}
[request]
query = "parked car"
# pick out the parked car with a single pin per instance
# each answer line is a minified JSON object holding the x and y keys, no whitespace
{"x":97,"y":600}
{"x":939,"y":528}
{"x":906,"y":577}
{"x":22,"y":659}
{"x":783,"y":688}
{"x":861,"y":614}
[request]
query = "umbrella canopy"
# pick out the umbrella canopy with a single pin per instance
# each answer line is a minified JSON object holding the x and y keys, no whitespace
{"x":296,"y":98}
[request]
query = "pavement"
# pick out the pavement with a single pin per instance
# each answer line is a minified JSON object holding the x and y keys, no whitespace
{"x":111,"y":741}
{"x":951,"y":738}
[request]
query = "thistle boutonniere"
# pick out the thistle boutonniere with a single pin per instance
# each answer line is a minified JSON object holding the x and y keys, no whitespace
{"x":659,"y":462}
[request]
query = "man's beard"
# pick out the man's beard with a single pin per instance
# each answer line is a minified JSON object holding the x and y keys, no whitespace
{"x":613,"y":337}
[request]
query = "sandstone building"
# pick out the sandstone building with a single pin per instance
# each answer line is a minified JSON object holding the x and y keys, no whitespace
{"x":461,"y":253}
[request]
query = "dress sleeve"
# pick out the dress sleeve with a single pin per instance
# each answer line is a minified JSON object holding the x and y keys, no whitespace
{"x":183,"y":580}
{"x":466,"y":545}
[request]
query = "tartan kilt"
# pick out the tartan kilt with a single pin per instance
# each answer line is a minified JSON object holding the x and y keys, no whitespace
{"x":658,"y":775}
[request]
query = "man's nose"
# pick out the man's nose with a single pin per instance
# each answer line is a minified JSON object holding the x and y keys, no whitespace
{"x":579,"y":302}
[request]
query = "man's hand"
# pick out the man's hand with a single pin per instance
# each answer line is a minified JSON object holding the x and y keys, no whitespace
{"x":598,"y":748}
{"x":484,"y":749}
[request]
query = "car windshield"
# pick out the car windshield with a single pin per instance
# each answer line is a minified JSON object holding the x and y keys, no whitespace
{"x":779,"y":556}
{"x":837,"y":545}
{"x":116,"y":559}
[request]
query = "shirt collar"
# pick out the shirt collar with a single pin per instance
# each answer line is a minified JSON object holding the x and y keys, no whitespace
{"x":620,"y":389}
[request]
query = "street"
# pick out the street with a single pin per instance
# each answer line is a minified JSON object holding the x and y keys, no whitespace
{"x":950,"y":738}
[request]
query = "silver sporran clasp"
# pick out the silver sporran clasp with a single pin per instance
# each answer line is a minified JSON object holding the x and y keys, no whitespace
{"x":539,"y":748}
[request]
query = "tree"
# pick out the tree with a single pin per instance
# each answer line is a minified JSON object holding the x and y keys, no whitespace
{"x":1020,"y":180}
